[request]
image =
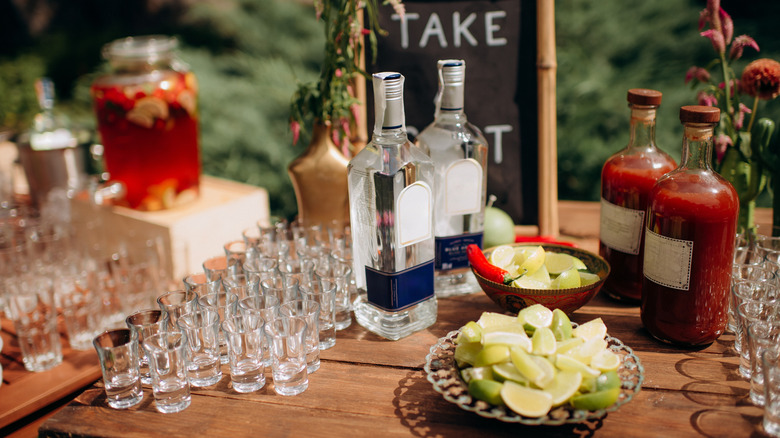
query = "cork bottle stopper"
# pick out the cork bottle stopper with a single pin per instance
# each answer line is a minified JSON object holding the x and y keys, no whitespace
{"x":699,"y":114}
{"x":643,"y":96}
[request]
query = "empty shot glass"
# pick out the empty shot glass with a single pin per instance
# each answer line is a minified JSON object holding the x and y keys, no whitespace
{"x":287,"y":338}
{"x":30,"y":305}
{"x":324,"y":293}
{"x":309,"y":310}
{"x":168,"y":365}
{"x":283,"y":288}
{"x":117,"y":350}
{"x":245,"y":334}
{"x":748,"y":313}
{"x":226,"y":304}
{"x":762,"y":335}
{"x":146,"y":323}
{"x":201,"y":329}
{"x":81,"y":312}
{"x":265,"y":307}
{"x":340,"y":273}
{"x":177,"y":303}
{"x":770,"y":364}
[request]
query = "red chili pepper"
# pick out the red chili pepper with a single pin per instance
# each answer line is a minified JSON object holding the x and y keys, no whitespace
{"x":485,"y":268}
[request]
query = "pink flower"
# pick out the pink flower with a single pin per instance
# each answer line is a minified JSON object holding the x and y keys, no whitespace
{"x":761,"y":78}
{"x":722,"y":142}
{"x":706,"y":99}
{"x":697,"y":73}
{"x":335,"y":136}
{"x":295,"y":127}
{"x":338,"y":73}
{"x":739,"y":45}
{"x":717,"y":39}
{"x":727,"y":25}
{"x":345,"y":127}
{"x":734,"y":86}
{"x":398,"y":7}
{"x":739,"y":120}
{"x":355,"y":109}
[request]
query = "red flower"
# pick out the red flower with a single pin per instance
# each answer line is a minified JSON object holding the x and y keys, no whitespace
{"x":722,"y":142}
{"x":706,"y":99}
{"x":761,"y":78}
{"x":295,"y":127}
{"x":698,"y":73}
{"x":739,"y":120}
{"x":716,"y":38}
{"x":739,"y":45}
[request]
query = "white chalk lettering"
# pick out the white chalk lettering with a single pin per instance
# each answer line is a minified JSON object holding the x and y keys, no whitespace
{"x":497,"y":131}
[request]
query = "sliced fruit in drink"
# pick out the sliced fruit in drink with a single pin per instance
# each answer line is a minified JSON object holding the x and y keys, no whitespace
{"x":557,"y":262}
{"x":492,"y":354}
{"x":486,"y":390}
{"x":593,"y":401}
{"x":525,"y":401}
{"x":543,"y":342}
{"x":591,"y":329}
{"x":560,"y":325}
{"x":563,"y":386}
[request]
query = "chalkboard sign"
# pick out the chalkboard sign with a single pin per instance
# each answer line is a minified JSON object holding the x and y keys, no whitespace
{"x":497,"y":39}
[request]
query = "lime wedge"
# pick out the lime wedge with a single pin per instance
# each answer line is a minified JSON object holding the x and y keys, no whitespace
{"x":471,"y":373}
{"x":568,"y":279}
{"x":543,"y":342}
{"x":548,"y":370}
{"x":579,"y":264}
{"x":591,"y":329}
{"x":492,"y":354}
{"x":467,"y":353}
{"x":568,"y":344}
{"x":525,"y":401}
{"x":560,"y":325}
{"x":557,"y":262}
{"x":533,"y":261}
{"x":486,"y":390}
{"x":509,"y":335}
{"x":536,"y":316}
{"x":502,"y":256}
{"x":595,"y":400}
{"x":585,"y":352}
{"x":526,"y":365}
{"x":563,"y":386}
{"x":568,"y":363}
{"x":608,"y":380}
{"x":605,"y":360}
{"x":507,"y":371}
{"x":586,"y":278}
{"x":471,"y":332}
{"x":493,"y":319}
{"x":526,"y":282}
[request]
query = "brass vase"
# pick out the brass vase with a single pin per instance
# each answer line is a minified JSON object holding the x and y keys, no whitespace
{"x":319,"y":177}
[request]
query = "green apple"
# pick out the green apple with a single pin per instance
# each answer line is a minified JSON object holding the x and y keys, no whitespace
{"x":499,"y":228}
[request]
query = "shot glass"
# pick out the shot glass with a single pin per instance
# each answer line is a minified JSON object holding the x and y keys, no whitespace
{"x":242,"y":285}
{"x":309,"y":311}
{"x":748,"y":313}
{"x":117,"y":350}
{"x":265,"y":307}
{"x":146,"y":323}
{"x":287,"y":338}
{"x":216,"y":268}
{"x":245,"y":334}
{"x":301,"y":268}
{"x":236,"y":254}
{"x":168,"y":365}
{"x":81,"y":311}
{"x":30,"y":305}
{"x":177,"y":303}
{"x":283,"y":288}
{"x":225,"y":304}
{"x":756,"y":289}
{"x":261,"y":267}
{"x":762,"y":335}
{"x":770,"y":364}
{"x":340,"y":273}
{"x":324,"y":293}
{"x":200,"y":283}
{"x":201,"y":329}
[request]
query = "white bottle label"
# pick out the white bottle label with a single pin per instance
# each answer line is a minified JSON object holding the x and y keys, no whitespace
{"x":621,"y":228}
{"x":463,"y":187}
{"x":668,"y":261}
{"x":414,"y":214}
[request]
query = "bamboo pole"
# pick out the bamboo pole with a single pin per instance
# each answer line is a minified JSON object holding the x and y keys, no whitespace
{"x":546,"y":68}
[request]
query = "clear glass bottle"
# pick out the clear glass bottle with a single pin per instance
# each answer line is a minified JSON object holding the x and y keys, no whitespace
{"x":147,"y":116}
{"x":689,"y":241}
{"x":459,"y":152}
{"x":391,"y":212}
{"x":626,"y":179}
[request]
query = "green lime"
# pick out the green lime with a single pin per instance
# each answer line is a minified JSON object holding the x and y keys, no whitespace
{"x":536,"y":316}
{"x":467,"y":353}
{"x":548,"y":371}
{"x":579,"y":264}
{"x":509,"y":335}
{"x":568,"y":279}
{"x":567,"y":345}
{"x":543,"y":342}
{"x":561,"y":325}
{"x":471,"y":332}
{"x":533,"y":261}
{"x":608,"y":380}
{"x":507,"y":371}
{"x":596,"y":400}
{"x":492,"y":354}
{"x":526,"y":401}
{"x":471,"y":373}
{"x":567,"y":363}
{"x":591,"y":329}
{"x":486,"y":390}
{"x":526,"y":365}
{"x":586,"y":278}
{"x":502,"y":256}
{"x":499,"y":228}
{"x":605,"y":360}
{"x":557,"y":262}
{"x":492,"y":319}
{"x":563,"y":386}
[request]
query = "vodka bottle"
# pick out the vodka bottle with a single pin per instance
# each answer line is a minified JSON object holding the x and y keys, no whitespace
{"x":459,"y":152}
{"x":391,"y":213}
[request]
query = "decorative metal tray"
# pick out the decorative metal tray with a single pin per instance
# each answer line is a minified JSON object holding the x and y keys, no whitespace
{"x":444,"y":375}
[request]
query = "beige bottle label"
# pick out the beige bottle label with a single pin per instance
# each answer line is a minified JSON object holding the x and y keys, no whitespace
{"x":621,"y":228}
{"x":463,"y":187}
{"x":414,"y":214}
{"x":668,"y":261}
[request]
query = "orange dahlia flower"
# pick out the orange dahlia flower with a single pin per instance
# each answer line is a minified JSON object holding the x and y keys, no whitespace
{"x":761,"y":78}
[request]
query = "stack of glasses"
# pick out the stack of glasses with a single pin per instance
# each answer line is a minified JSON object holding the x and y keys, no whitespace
{"x":274,"y":299}
{"x":754,"y":317}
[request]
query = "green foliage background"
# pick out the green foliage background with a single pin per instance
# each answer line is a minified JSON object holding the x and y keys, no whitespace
{"x":250,"y":54}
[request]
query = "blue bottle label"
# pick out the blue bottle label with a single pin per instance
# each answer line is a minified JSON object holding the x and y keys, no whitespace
{"x":451,"y":250}
{"x":399,"y":290}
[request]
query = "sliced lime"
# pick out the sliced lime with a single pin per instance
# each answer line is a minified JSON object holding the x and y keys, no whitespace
{"x":586,"y":278}
{"x":507,"y":371}
{"x":471,"y":373}
{"x":585,"y":352}
{"x":568,"y":344}
{"x":526,"y":365}
{"x":493,"y":319}
{"x":543,"y":342}
{"x":509,"y":335}
{"x":525,"y":401}
{"x":579,"y":264}
{"x":560,"y":325}
{"x":536,"y":316}
{"x":591,"y":329}
{"x":471,"y":332}
{"x":568,"y":363}
{"x":568,"y":279}
{"x":608,"y":380}
{"x":492,"y":354}
{"x":502,"y":256}
{"x":486,"y":390}
{"x":595,"y":400}
{"x":563,"y":386}
{"x":557,"y":262}
{"x":548,"y":372}
{"x":467,"y":353}
{"x":533,"y":261}
{"x":605,"y":360}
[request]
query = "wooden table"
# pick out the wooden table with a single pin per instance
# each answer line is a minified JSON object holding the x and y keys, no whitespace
{"x":370,"y":386}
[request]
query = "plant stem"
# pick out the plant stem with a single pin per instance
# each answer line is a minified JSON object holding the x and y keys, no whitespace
{"x":753,"y":114}
{"x":727,"y":83}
